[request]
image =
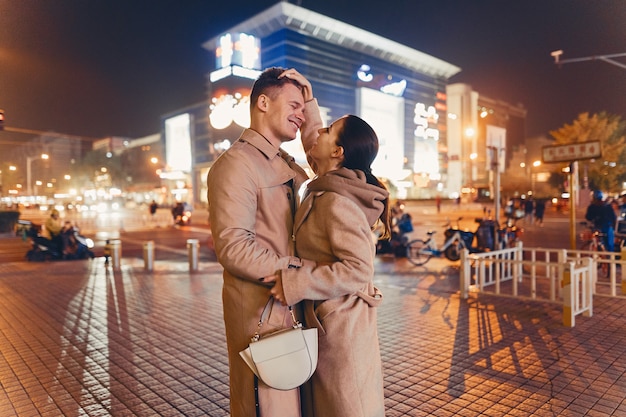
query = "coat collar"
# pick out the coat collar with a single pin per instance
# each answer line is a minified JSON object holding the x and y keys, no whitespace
{"x":290,"y":170}
{"x":305,"y":208}
{"x":259,"y":141}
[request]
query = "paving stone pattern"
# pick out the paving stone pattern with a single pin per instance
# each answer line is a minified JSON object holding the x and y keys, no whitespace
{"x":78,"y":339}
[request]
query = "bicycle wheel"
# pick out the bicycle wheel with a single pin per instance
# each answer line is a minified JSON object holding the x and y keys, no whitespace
{"x":417,"y":252}
{"x":595,"y":245}
{"x":453,"y":252}
{"x":603,"y":267}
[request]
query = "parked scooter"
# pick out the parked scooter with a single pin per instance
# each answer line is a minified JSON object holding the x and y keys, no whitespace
{"x":510,"y":234}
{"x":402,"y":225}
{"x":69,"y":244}
{"x":181,"y":214}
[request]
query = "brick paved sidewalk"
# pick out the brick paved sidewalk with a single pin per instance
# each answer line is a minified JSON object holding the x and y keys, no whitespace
{"x":77,"y":339}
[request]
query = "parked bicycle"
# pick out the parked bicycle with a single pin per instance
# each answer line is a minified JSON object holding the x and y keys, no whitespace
{"x":421,"y":251}
{"x":593,"y":240}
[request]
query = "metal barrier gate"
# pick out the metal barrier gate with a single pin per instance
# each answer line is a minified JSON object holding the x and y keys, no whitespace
{"x":560,"y":276}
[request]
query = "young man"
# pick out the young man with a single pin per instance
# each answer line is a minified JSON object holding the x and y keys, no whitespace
{"x":252,"y":199}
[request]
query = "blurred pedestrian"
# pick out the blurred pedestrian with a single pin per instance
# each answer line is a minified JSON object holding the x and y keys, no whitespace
{"x":107,"y":251}
{"x":540,"y":209}
{"x":153,"y":209}
{"x":622,"y":207}
{"x":528,"y":210}
{"x":616,"y":207}
{"x":51,"y":230}
{"x":438,"y":203}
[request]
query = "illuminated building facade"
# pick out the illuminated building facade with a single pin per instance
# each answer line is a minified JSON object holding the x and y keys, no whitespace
{"x":399,"y":91}
{"x":186,"y":141}
{"x":482,"y":132}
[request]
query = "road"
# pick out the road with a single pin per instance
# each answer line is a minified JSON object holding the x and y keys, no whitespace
{"x":554,"y":233}
{"x":133,"y":228}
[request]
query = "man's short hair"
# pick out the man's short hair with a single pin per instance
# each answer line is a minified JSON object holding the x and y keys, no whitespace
{"x":268,"y":82}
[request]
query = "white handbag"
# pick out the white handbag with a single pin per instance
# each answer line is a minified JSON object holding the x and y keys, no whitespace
{"x":283,"y":360}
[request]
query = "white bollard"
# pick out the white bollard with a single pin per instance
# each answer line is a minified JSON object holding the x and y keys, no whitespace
{"x":148,"y":255}
{"x":193,"y":246}
{"x":116,"y":253}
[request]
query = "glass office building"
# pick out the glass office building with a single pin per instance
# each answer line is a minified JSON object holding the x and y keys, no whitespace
{"x":400,"y":91}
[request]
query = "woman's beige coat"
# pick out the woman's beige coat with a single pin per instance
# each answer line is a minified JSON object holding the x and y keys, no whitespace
{"x":251,"y":203}
{"x":334,"y":230}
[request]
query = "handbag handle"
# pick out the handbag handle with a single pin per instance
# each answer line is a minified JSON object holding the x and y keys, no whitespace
{"x":266,"y":312}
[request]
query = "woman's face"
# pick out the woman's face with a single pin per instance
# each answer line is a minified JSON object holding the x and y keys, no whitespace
{"x":326,"y":146}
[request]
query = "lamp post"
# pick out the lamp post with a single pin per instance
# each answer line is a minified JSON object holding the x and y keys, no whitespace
{"x":533,"y":175}
{"x":609,"y":59}
{"x":29,"y":160}
{"x":470,"y":134}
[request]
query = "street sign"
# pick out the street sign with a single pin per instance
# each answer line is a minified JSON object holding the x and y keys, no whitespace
{"x":571,"y":152}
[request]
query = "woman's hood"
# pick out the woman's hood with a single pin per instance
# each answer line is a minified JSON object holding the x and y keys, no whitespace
{"x":353,"y":185}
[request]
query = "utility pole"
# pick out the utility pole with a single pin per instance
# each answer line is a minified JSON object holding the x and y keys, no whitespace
{"x":47,"y":133}
{"x":605,"y":58}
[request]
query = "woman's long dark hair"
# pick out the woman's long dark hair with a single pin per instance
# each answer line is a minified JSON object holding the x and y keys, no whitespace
{"x":360,"y":147}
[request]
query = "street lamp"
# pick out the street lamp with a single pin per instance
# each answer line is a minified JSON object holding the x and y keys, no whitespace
{"x":533,"y":174}
{"x":3,"y":179}
{"x":609,"y":59}
{"x":470,"y":145}
{"x":29,"y":160}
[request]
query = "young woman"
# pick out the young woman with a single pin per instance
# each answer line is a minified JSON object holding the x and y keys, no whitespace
{"x":333,"y":228}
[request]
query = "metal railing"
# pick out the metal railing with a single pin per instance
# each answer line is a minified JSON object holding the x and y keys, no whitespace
{"x":552,"y":275}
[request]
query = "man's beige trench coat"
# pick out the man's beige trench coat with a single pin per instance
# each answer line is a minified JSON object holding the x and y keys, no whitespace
{"x":251,"y":203}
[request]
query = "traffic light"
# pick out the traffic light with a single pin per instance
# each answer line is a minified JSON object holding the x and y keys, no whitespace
{"x":1,"y":119}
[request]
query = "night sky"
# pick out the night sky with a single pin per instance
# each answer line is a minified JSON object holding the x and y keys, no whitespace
{"x":112,"y":67}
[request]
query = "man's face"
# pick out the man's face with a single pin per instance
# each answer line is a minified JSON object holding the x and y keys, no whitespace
{"x":285,"y":112}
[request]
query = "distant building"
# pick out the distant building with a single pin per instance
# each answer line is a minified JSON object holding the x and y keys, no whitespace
{"x":46,"y":162}
{"x":400,"y":91}
{"x":479,"y":129}
{"x":114,"y":144}
{"x":187,"y":148}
